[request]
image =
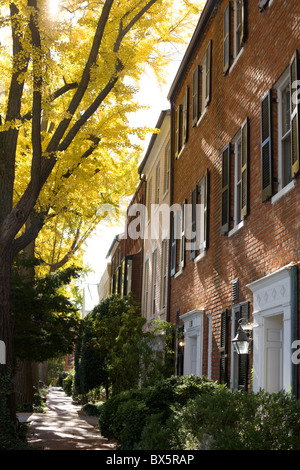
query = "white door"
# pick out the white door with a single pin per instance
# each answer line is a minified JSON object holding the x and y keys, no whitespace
{"x":194,"y":355}
{"x":273,"y":354}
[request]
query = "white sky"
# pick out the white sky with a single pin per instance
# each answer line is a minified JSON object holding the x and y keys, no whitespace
{"x":155,"y":96}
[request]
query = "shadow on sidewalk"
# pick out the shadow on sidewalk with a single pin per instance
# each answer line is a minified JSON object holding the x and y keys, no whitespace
{"x":63,"y":426}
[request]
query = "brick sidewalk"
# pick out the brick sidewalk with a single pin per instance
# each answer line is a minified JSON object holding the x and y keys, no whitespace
{"x":63,"y":426}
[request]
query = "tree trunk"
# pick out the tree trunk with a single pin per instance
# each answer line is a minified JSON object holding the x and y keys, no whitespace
{"x":7,"y":369}
{"x":23,"y":383}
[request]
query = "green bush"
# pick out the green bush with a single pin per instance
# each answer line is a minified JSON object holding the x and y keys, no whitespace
{"x":68,"y":384}
{"x":227,"y":420}
{"x":129,"y":414}
{"x":92,"y":409}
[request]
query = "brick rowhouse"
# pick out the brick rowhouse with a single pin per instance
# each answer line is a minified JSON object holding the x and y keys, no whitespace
{"x":235,"y":152}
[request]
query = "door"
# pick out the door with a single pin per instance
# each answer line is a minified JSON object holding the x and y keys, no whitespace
{"x":273,"y":354}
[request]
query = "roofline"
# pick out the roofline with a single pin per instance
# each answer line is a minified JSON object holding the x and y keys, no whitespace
{"x":161,"y":118}
{"x":204,"y":17}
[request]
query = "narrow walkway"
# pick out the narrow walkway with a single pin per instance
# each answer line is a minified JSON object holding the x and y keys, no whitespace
{"x":64,"y":426}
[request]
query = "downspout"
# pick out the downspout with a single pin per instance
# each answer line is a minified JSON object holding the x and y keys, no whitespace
{"x":294,"y":326}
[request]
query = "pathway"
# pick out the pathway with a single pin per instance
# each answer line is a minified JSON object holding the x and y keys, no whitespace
{"x":64,"y":426}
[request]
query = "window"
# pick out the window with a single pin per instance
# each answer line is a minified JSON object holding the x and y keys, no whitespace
{"x":167,"y":167}
{"x":181,"y":124}
{"x":199,"y":218}
{"x":202,"y":85}
{"x":277,"y":175}
{"x":157,"y":184}
{"x":234,"y":24}
{"x":164,"y":273}
{"x":154,"y":280}
{"x":239,"y":179}
{"x":149,"y":199}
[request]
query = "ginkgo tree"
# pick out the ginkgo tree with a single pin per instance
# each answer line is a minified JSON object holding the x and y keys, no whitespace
{"x":71,"y":80}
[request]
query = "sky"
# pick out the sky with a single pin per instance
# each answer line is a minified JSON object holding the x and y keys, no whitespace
{"x":153,"y":95}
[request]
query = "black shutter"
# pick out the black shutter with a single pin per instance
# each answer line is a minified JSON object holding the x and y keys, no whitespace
{"x":224,"y":347}
{"x":266,"y":147}
{"x":225,"y":211}
{"x":226,"y":39}
{"x":243,"y":358}
{"x":195,"y":95}
{"x":295,"y":110}
{"x":245,"y":169}
{"x":194,"y":223}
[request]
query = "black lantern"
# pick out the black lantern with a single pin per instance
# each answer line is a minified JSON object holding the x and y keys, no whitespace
{"x":242,"y":341}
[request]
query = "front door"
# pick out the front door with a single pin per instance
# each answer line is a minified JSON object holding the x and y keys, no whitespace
{"x":273,"y":353}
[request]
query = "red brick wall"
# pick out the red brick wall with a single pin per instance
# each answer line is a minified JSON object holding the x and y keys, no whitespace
{"x":270,"y":237}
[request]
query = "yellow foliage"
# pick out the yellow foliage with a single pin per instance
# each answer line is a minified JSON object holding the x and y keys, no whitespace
{"x":135,"y":37}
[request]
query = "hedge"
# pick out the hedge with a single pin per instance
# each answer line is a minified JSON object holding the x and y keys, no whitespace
{"x":192,"y":413}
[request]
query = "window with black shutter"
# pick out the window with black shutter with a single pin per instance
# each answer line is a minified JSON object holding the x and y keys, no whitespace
{"x":224,"y":347}
{"x":234,"y":31}
{"x":285,"y":97}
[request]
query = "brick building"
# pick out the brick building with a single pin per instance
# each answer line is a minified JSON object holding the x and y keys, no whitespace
{"x":235,"y":162}
{"x":126,"y":254}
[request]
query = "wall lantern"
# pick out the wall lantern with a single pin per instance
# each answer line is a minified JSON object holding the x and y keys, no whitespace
{"x":181,"y":343}
{"x":242,"y":341}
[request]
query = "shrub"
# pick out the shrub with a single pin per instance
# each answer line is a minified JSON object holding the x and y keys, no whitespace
{"x":68,"y":384}
{"x":227,"y":420}
{"x":92,"y":409}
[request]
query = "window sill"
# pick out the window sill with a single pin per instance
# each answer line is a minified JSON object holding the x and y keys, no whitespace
{"x":284,"y":191}
{"x":235,"y":61}
{"x":178,"y":273}
{"x":236,"y":229}
{"x":202,"y":116}
{"x":199,"y":257}
{"x":180,"y":153}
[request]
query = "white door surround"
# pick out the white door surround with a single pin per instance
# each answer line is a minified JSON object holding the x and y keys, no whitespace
{"x":272,"y":366}
{"x":193,"y":339}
